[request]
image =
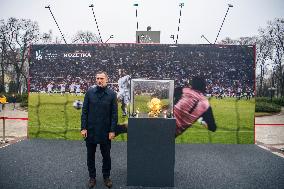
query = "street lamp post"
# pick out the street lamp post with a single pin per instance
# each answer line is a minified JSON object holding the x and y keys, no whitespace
{"x":180,"y":5}
{"x":110,"y":37}
{"x":48,"y":7}
{"x":92,"y":6}
{"x":173,"y":37}
{"x":136,"y":13}
{"x":202,"y":36}
{"x":229,"y":6}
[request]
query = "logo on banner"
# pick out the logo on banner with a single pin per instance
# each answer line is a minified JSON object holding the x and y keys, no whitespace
{"x":38,"y":55}
{"x":77,"y":55}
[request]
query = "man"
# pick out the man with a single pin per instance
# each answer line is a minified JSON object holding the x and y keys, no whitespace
{"x":13,"y":101}
{"x":190,"y":105}
{"x":78,"y":89}
{"x":124,"y":91}
{"x":248,"y":93}
{"x":239,"y":93}
{"x":98,"y":122}
{"x":62,"y":88}
{"x":72,"y":88}
{"x":49,"y":88}
{"x":3,"y":101}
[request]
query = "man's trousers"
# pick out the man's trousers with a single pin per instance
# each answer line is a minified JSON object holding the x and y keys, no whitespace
{"x":91,"y":159}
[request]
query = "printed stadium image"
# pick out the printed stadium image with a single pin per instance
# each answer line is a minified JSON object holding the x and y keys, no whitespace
{"x":61,"y":74}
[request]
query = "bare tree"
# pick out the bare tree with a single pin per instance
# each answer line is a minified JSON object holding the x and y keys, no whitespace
{"x":228,"y":41}
{"x":278,"y":35}
{"x":16,"y":36}
{"x":49,"y":38}
{"x":269,"y":55}
{"x":274,"y":34}
{"x":263,"y":55}
{"x":85,"y":37}
{"x":46,"y":38}
{"x":2,"y":64}
{"x":240,"y":41}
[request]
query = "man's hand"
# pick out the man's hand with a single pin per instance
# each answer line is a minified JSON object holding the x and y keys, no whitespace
{"x":111,"y":135}
{"x":84,"y":133}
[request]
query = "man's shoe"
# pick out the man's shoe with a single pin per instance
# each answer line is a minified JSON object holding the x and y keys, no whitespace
{"x":108,"y":182}
{"x":92,"y":183}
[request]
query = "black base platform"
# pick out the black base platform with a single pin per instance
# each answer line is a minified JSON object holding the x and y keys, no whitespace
{"x":151,"y":152}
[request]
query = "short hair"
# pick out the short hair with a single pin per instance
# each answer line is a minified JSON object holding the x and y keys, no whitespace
{"x":199,"y":83}
{"x":102,"y":72}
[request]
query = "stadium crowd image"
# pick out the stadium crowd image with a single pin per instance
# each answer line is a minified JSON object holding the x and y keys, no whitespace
{"x":226,"y":68}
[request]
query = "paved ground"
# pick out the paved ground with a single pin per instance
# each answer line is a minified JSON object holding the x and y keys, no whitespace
{"x":62,"y":164}
{"x":271,"y":137}
{"x":273,"y":119}
{"x":269,"y":134}
{"x":14,"y":129}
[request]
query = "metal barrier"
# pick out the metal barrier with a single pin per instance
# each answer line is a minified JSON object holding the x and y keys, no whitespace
{"x":4,"y":140}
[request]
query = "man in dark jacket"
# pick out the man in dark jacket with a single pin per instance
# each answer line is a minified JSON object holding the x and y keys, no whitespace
{"x":98,"y":122}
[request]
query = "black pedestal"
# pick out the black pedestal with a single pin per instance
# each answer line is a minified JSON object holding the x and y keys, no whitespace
{"x":151,"y":152}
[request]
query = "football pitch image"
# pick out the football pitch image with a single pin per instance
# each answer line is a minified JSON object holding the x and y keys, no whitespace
{"x":54,"y":117}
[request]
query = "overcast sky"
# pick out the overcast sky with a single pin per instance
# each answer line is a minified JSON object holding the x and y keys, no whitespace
{"x":117,"y":17}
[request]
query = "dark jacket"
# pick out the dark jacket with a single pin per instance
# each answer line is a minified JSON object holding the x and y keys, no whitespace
{"x":99,"y":114}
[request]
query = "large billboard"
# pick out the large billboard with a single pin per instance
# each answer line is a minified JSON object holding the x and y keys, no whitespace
{"x":228,"y":70}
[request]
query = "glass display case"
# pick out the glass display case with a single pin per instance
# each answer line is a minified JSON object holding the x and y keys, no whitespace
{"x":151,"y":98}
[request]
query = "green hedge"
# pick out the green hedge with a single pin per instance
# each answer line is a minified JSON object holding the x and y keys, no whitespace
{"x":278,"y":101}
{"x":24,"y":100}
{"x":267,"y":107}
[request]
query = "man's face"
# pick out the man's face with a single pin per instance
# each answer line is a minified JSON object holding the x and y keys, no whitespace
{"x":101,"y":80}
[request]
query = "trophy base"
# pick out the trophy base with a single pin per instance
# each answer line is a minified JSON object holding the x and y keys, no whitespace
{"x":151,"y":152}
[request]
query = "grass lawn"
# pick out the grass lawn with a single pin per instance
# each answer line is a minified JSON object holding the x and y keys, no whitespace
{"x":54,"y":117}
